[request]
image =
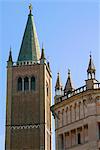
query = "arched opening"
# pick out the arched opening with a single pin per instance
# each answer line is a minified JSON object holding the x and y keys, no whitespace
{"x":32,"y":83}
{"x":26,"y":83}
{"x":19,"y":84}
{"x":79,"y":138}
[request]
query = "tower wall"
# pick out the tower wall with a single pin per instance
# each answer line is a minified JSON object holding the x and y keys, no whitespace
{"x":8,"y":105}
{"x":29,"y":111}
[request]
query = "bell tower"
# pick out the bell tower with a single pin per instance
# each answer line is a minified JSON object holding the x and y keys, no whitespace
{"x":28,"y":117}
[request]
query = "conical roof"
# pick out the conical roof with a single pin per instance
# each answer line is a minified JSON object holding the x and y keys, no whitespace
{"x":58,"y":82}
{"x":68,"y":86}
{"x":91,"y":66}
{"x":30,"y":49}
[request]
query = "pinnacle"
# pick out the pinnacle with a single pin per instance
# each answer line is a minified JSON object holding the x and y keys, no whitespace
{"x":91,"y":66}
{"x":58,"y":82}
{"x":10,"y":55}
{"x":68,"y":85}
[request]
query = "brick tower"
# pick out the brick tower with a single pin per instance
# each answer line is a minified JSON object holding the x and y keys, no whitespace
{"x":28,"y":117}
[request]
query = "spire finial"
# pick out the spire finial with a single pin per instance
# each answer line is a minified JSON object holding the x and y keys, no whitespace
{"x":30,"y":8}
{"x":10,"y":48}
{"x":90,"y":54}
{"x":10,"y":55}
{"x":68,"y":72}
{"x":42,"y":46}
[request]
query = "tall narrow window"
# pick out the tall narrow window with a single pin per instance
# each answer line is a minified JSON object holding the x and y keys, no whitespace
{"x":75,"y":111}
{"x":67,"y":115}
{"x":79,"y":138}
{"x":67,"y":140}
{"x":19,"y":84}
{"x":58,"y":119}
{"x":99,"y":129}
{"x":26,"y":83}
{"x":61,"y":142}
{"x":70,"y":113}
{"x":86,"y":133}
{"x":85,"y":108}
{"x":73,"y":137}
{"x":62,"y":117}
{"x":79,"y":109}
{"x":32,"y":83}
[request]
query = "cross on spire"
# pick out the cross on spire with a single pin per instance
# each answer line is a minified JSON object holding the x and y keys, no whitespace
{"x":30,"y":8}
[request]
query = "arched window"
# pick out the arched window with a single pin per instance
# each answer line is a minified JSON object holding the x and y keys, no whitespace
{"x":26,"y":83}
{"x":19,"y":84}
{"x":32,"y":83}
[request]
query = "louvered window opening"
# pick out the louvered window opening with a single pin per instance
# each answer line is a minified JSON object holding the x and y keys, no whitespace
{"x":26,"y":84}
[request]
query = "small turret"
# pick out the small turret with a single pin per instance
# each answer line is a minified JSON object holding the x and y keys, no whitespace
{"x":91,"y":75}
{"x":68,"y":86}
{"x":58,"y":87}
{"x":10,"y":60}
{"x":91,"y":69}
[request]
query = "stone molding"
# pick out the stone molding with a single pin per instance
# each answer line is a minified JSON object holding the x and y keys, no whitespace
{"x":25,"y":127}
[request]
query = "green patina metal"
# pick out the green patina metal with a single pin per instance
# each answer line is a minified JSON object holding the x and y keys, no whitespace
{"x":30,"y":49}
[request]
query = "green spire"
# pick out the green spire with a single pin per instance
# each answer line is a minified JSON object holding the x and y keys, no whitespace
{"x":30,"y":50}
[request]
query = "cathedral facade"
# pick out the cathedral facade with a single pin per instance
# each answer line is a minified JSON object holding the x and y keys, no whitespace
{"x":28,"y":116}
{"x":77,"y":113}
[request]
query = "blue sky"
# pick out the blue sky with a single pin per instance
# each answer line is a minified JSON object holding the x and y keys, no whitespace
{"x":69,"y":29}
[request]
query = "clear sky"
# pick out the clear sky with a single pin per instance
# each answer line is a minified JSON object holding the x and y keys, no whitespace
{"x":69,"y":29}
